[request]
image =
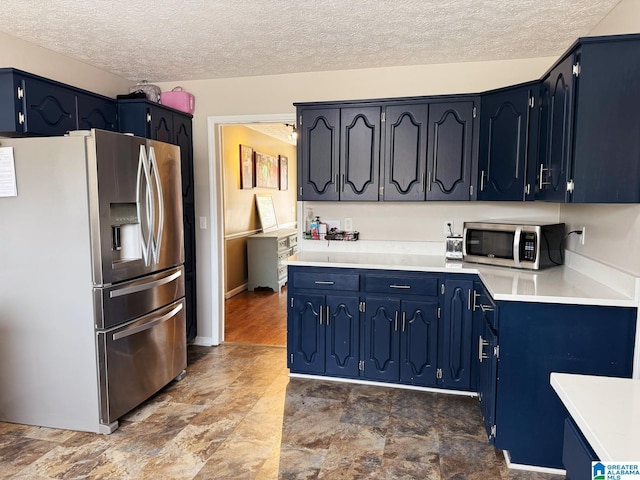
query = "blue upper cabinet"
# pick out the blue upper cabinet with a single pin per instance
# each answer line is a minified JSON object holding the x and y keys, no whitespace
{"x":318,"y":154}
{"x":32,"y":105}
{"x":359,"y":153}
{"x":556,"y":123}
{"x":405,"y":152}
{"x":450,"y":159}
{"x":508,"y":140}
{"x":588,"y":148}
{"x":97,"y":112}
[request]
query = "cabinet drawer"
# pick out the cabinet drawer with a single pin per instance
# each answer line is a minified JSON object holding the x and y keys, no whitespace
{"x":293,"y":240}
{"x":328,"y":281}
{"x":283,"y":256}
{"x":282,"y":272}
{"x":283,"y":243}
{"x":394,"y":284}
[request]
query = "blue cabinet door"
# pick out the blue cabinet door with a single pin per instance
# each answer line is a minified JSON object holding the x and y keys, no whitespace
{"x":342,"y":335}
{"x":381,"y":339}
{"x":488,"y":377}
{"x":419,"y":342}
{"x":450,"y":151}
{"x":504,"y":142}
{"x":306,"y":319}
{"x":537,"y":339}
{"x":405,"y":152}
{"x":556,"y":125}
{"x":97,"y":112}
{"x":455,"y":337}
{"x":359,"y":153}
{"x":319,"y":154}
{"x":49,"y":108}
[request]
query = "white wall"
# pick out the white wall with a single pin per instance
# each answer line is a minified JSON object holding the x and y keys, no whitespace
{"x":46,"y":63}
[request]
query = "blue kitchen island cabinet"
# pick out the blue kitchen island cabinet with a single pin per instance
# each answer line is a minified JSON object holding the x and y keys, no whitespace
{"x":537,"y":339}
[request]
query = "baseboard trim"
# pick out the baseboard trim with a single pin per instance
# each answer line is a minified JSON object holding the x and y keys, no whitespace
{"x":531,"y":468}
{"x":383,"y":384}
{"x":235,"y":291}
{"x":204,"y":342}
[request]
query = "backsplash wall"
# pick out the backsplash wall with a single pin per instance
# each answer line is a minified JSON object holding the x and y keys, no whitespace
{"x":421,"y":221}
{"x":612,"y":230}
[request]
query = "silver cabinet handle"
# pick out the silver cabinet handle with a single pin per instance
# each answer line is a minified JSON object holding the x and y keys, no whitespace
{"x":327,"y":320}
{"x":322,"y":282}
{"x":475,"y":297}
{"x":542,"y":183}
{"x":320,"y":314}
{"x":396,"y":321}
{"x":486,"y":308}
{"x":482,"y":174}
{"x":481,"y":344}
{"x":404,"y":321}
{"x":429,"y":181}
{"x":422,"y":186}
{"x":144,"y":286}
{"x":406,"y":287}
{"x":147,"y":326}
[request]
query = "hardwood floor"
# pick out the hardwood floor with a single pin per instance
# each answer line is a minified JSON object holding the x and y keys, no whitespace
{"x":258,"y":317}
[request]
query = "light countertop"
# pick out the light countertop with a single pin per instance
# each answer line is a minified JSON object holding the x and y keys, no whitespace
{"x":607,"y":411}
{"x":554,"y":285}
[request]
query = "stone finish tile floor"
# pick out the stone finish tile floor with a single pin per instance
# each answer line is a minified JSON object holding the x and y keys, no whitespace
{"x":237,"y":415}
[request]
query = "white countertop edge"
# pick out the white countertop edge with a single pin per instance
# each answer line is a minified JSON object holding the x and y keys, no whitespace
{"x":590,"y":400}
{"x":617,"y":299}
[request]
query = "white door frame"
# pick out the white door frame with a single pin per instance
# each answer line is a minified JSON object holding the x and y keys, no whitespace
{"x":216,"y":208}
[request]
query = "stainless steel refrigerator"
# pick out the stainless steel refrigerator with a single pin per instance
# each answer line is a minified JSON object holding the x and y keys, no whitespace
{"x":92,"y":318}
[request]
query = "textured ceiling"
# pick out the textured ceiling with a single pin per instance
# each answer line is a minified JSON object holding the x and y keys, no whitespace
{"x":170,"y":40}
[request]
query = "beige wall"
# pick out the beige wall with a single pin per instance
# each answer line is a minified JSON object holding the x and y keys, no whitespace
{"x":46,"y":63}
{"x":240,"y":215}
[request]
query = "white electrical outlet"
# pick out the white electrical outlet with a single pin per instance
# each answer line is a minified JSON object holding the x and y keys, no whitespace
{"x":348,"y":224}
{"x":584,"y":231}
{"x":203,"y":223}
{"x":449,"y":223}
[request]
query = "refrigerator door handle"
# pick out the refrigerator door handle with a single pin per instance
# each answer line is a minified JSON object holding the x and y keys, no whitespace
{"x":147,"y":326}
{"x":150,"y":203}
{"x":146,"y":286}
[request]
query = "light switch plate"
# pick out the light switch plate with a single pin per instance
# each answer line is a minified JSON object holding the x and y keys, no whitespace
{"x":203,"y":223}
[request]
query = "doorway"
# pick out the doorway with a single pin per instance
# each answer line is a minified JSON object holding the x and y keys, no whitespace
{"x":217,"y":209}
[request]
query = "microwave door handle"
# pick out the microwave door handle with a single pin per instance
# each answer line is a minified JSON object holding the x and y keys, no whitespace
{"x":516,"y":246}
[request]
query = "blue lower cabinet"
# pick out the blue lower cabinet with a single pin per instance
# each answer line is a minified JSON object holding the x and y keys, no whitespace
{"x":537,"y":339}
{"x":577,"y":454}
{"x":400,"y":341}
{"x":342,"y":324}
{"x":456,"y":335}
{"x":381,"y":342}
{"x":306,"y":333}
{"x":419,"y":342}
{"x":323,"y":334}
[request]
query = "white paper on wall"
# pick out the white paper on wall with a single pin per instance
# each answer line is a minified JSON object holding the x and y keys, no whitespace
{"x":8,"y":186}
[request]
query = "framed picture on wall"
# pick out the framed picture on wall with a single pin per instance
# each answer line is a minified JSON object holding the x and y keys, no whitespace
{"x":284,"y":173}
{"x":246,"y":167}
{"x":266,"y":168}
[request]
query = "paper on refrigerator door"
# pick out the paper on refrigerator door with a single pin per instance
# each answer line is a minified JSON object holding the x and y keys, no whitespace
{"x":8,"y":186}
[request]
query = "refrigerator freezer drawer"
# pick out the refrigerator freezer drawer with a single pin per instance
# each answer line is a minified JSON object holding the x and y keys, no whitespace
{"x":126,"y":301}
{"x":138,"y":359}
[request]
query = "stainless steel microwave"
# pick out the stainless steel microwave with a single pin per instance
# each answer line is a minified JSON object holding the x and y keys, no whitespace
{"x":514,"y":244}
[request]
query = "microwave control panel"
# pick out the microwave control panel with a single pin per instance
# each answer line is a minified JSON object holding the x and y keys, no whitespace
{"x":528,"y":246}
